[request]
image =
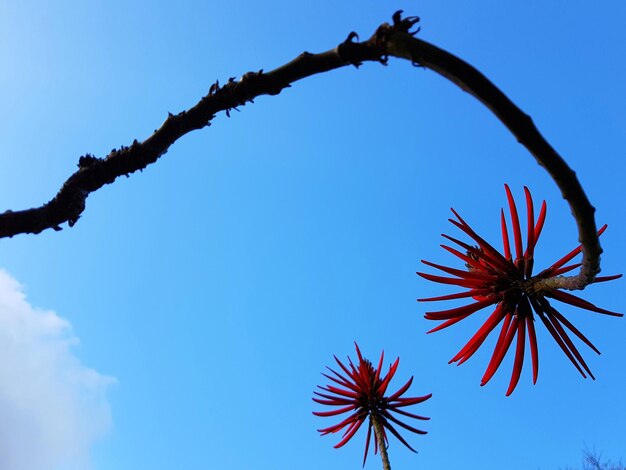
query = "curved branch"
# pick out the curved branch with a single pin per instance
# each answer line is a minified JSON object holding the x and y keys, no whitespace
{"x":389,"y":40}
{"x":399,"y":42}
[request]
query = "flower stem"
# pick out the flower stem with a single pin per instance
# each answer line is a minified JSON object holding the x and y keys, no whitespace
{"x":380,"y":440}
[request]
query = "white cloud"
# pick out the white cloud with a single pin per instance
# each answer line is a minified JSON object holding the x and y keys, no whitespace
{"x":52,"y":407}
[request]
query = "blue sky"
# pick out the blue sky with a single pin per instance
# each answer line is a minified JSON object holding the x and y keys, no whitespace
{"x":185,"y":320}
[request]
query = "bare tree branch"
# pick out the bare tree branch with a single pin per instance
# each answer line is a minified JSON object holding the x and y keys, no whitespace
{"x":592,"y":460}
{"x":400,"y":43}
{"x":395,"y":40}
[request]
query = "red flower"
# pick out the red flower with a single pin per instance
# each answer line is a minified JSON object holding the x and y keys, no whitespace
{"x":497,"y":279}
{"x":362,"y":394}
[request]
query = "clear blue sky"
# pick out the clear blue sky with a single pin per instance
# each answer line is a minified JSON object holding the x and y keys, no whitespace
{"x":185,"y":320}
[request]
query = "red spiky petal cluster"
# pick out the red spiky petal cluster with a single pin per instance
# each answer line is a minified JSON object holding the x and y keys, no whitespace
{"x":494,"y":278}
{"x":361,"y":393}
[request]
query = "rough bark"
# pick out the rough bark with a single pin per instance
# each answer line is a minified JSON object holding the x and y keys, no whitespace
{"x":395,"y":40}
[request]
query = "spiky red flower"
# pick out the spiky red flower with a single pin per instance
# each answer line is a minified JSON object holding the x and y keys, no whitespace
{"x":497,"y":279}
{"x":362,"y":395}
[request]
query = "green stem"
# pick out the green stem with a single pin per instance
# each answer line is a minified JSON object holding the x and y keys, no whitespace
{"x":380,"y":440}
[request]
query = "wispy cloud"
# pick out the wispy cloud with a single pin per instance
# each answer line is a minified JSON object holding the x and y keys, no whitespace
{"x":52,"y":407}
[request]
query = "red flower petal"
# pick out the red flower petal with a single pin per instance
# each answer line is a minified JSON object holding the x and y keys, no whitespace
{"x":364,"y":397}
{"x":509,"y":328}
{"x":492,"y":278}
{"x":455,"y":312}
{"x":479,"y":337}
{"x":532,"y":339}
{"x":519,"y":357}
{"x":517,"y":235}
{"x":578,"y":302}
